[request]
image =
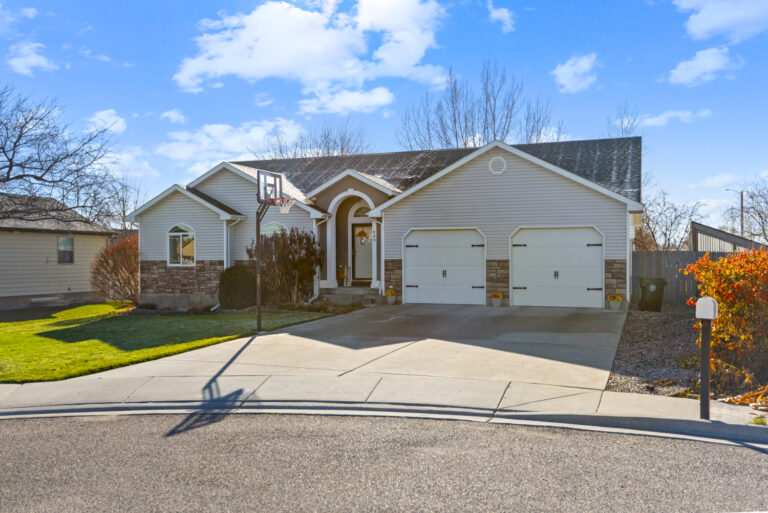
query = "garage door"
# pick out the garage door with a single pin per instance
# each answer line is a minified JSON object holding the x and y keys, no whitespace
{"x":444,"y":266}
{"x":557,"y":267}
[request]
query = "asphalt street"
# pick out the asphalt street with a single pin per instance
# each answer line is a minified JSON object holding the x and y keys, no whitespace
{"x":313,"y":463}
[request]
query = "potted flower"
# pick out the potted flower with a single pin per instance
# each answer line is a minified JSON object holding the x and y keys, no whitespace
{"x":391,"y":296}
{"x":340,"y":275}
{"x":615,"y":301}
{"x":496,"y":299}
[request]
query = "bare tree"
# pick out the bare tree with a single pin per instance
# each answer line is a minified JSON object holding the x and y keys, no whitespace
{"x":42,"y":158}
{"x":536,"y":125}
{"x":127,"y":195}
{"x":624,"y":123}
{"x":463,"y":116}
{"x":665,"y":223}
{"x":755,"y":211}
{"x":330,"y":138}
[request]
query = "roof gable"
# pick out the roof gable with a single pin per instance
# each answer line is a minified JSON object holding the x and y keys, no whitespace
{"x":631,"y":204}
{"x":224,"y":211}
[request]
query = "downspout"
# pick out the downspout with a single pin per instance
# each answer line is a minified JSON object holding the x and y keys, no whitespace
{"x":316,"y":285}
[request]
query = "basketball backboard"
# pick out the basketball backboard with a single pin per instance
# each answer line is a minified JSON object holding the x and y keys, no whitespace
{"x":270,"y":186}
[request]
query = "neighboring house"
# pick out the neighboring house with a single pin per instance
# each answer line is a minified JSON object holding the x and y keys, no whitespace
{"x":44,"y":260}
{"x":707,"y":238}
{"x":544,"y":224}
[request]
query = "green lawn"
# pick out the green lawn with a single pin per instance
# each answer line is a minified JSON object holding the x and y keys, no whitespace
{"x":44,"y":344}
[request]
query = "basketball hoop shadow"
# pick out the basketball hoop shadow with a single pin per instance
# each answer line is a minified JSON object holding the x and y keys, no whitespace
{"x":214,"y":407}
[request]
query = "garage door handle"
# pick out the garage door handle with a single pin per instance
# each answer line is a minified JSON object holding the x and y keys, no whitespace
{"x":478,"y":286}
{"x":412,"y":286}
{"x":594,"y":288}
{"x":478,"y":245}
{"x":593,"y":245}
{"x":519,"y":288}
{"x":519,"y":245}
{"x":411,"y":245}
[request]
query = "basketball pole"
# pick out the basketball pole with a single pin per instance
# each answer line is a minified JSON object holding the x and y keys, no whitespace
{"x":260,"y":213}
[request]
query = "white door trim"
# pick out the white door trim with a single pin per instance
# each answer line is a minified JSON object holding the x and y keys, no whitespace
{"x":351,"y":219}
{"x":330,"y":242}
{"x":552,"y":226}
{"x":444,"y":228}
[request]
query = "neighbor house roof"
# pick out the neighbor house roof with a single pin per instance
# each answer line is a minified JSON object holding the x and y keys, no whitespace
{"x":614,"y":164}
{"x":22,"y":213}
{"x":721,"y":235}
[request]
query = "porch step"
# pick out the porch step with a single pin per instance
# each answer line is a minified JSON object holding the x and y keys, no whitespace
{"x":352,"y":295}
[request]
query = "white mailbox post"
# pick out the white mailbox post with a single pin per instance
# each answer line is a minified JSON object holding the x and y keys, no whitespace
{"x":706,"y":312}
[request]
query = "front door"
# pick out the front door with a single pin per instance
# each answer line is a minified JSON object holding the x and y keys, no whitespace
{"x":362,"y":255}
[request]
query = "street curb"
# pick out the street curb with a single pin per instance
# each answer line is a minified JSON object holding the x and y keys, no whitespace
{"x":697,"y":430}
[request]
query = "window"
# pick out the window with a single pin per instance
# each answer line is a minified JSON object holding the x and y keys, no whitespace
{"x":270,"y":229}
{"x":181,"y":245}
{"x":362,"y":212}
{"x":66,"y":250}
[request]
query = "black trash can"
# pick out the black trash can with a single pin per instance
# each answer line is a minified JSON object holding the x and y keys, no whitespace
{"x":651,"y":294}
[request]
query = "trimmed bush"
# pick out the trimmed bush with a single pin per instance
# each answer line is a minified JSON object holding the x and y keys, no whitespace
{"x":115,"y":270}
{"x":739,"y":283}
{"x":237,"y":287}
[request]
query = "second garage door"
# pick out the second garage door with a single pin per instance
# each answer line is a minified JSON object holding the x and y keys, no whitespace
{"x":444,"y":266}
{"x":557,"y":267}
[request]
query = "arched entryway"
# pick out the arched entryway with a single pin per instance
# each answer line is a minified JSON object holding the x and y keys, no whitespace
{"x":352,"y":239}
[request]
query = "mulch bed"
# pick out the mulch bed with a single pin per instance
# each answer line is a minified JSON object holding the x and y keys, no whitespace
{"x":653,"y":346}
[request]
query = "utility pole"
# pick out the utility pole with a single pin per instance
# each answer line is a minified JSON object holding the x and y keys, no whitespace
{"x":741,"y":193}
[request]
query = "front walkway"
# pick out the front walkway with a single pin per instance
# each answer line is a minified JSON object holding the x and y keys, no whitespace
{"x":478,"y":363}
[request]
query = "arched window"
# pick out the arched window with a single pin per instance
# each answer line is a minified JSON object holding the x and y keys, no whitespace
{"x":181,"y":245}
{"x":362,"y":212}
{"x":270,"y":229}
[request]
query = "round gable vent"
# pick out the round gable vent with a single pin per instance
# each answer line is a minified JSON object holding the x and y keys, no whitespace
{"x":497,"y":165}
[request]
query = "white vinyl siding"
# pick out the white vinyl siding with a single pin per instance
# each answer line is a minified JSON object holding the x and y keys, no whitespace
{"x":240,"y":194}
{"x":29,"y":264}
{"x":177,"y":209}
{"x":524,"y":195}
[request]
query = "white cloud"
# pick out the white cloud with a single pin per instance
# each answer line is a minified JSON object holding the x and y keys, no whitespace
{"x":684,"y":116}
{"x":553,"y":134}
{"x":9,"y":18}
{"x":29,"y":12}
{"x":204,"y":147}
{"x":705,"y":66}
{"x":576,"y":74}
{"x":108,"y":119}
{"x":263,"y":100}
{"x":503,"y":16}
{"x":719,"y":181}
{"x":735,"y":19}
{"x":328,"y":51}
{"x":88,"y":54}
{"x":174,"y":116}
{"x":131,"y":163}
{"x":23,"y":58}
{"x":764,"y":174}
{"x":344,"y":102}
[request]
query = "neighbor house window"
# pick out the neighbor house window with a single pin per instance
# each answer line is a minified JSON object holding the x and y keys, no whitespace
{"x":66,"y":250}
{"x":270,"y":229}
{"x":181,"y":245}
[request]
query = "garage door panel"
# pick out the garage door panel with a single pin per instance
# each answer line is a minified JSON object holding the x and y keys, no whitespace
{"x":557,"y":267}
{"x":429,"y":253}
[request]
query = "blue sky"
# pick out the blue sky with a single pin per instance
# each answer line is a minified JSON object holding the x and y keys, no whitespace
{"x":184,"y":84}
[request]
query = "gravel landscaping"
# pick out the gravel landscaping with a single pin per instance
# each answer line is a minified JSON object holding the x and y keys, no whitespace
{"x":652,"y":349}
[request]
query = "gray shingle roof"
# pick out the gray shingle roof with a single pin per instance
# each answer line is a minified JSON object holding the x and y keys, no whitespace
{"x":615,"y":164}
{"x":58,"y":219}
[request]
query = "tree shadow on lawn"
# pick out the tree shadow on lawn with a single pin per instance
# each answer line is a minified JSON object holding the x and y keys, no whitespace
{"x":31,"y":314}
{"x":131,"y":333}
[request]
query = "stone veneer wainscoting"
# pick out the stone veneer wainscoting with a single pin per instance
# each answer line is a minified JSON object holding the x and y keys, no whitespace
{"x":180,"y":286}
{"x":393,"y":276}
{"x":616,"y":278}
{"x":497,"y":280}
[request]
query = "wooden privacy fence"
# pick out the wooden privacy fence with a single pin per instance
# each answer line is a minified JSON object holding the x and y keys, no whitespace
{"x":667,"y":265}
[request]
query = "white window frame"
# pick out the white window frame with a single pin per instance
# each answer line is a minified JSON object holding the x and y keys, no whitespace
{"x":58,"y":259}
{"x":168,"y":235}
{"x":281,"y":225}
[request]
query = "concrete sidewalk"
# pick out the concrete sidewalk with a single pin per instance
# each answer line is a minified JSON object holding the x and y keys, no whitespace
{"x":376,"y":394}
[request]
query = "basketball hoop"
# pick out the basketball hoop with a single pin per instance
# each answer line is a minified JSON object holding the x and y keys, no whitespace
{"x":284,"y":204}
